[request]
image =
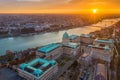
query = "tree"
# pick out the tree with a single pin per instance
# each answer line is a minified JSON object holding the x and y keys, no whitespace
{"x":9,"y":55}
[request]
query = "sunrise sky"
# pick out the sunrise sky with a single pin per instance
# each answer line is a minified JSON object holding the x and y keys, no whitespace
{"x":59,"y":6}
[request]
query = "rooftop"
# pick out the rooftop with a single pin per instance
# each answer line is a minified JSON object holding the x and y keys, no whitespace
{"x":65,"y":35}
{"x":85,"y":55}
{"x":71,"y":45}
{"x":37,"y":67}
{"x":49,"y":47}
{"x":73,"y":36}
{"x":101,"y":47}
{"x":110,"y":41}
{"x":86,"y":35}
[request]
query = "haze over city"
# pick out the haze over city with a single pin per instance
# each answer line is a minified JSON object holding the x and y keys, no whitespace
{"x":59,"y":39}
{"x":59,"y":6}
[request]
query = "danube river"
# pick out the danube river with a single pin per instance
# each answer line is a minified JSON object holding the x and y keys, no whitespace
{"x":22,"y":43}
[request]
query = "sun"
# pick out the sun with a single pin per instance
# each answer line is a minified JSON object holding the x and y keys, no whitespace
{"x":94,"y":11}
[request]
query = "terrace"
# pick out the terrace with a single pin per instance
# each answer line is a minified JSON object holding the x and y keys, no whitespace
{"x":71,"y":45}
{"x":110,"y":41}
{"x":102,"y":44}
{"x":101,"y":47}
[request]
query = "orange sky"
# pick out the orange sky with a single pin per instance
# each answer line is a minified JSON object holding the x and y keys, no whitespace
{"x":59,"y":6}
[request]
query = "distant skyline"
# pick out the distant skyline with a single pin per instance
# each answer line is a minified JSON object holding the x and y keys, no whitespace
{"x":59,"y":6}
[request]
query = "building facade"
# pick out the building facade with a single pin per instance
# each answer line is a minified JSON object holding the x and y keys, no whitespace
{"x":50,"y":51}
{"x":103,"y":50}
{"x":86,"y":38}
{"x":71,"y":48}
{"x":70,"y":38}
{"x":38,"y":69}
{"x":100,"y":72}
{"x":84,"y":60}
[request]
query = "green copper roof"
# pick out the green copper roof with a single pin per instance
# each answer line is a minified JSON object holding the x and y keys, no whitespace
{"x":22,"y":66}
{"x":72,"y":36}
{"x":98,"y":46}
{"x":37,"y":71}
{"x":86,"y":35}
{"x":46,"y":64}
{"x":72,"y":45}
{"x":106,"y":48}
{"x":105,"y":41}
{"x":49,"y":47}
{"x":52,"y":62}
{"x":65,"y":35}
{"x":90,"y":45}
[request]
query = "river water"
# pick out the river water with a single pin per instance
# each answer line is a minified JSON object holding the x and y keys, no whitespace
{"x":22,"y":43}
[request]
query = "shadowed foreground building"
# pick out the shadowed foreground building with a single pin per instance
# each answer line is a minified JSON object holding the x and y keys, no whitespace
{"x":38,"y":69}
{"x":100,"y":72}
{"x":84,"y":60}
{"x":103,"y":50}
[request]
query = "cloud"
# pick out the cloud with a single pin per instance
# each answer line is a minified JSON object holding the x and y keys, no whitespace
{"x":28,"y":5}
{"x":34,"y":0}
{"x":75,"y":1}
{"x":95,"y":3}
{"x":56,"y":1}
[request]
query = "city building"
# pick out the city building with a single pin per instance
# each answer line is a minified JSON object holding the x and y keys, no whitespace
{"x":85,"y":48}
{"x":50,"y":51}
{"x":71,"y":48}
{"x":100,"y":72}
{"x":4,"y":32}
{"x":38,"y":69}
{"x":86,"y":38}
{"x":84,"y":60}
{"x":70,"y":38}
{"x":102,"y":50}
{"x":107,"y":42}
